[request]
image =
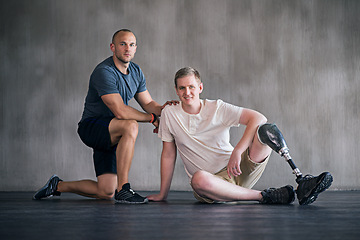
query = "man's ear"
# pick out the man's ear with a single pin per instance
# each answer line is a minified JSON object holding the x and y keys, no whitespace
{"x":201,"y":86}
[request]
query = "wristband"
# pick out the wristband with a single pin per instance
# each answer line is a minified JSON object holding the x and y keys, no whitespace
{"x":153,"y":118}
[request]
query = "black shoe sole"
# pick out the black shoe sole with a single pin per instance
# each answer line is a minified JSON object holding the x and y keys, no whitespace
{"x":133,"y":203}
{"x":324,"y":183}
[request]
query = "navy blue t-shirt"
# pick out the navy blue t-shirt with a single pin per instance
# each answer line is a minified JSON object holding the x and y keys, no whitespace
{"x":107,"y":79}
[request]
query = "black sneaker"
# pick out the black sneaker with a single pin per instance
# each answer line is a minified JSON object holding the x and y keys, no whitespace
{"x":283,"y":195}
{"x":310,"y":187}
{"x":49,"y":189}
{"x":128,"y":196}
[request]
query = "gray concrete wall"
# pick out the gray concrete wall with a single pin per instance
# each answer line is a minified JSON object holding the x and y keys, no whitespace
{"x":297,"y":62}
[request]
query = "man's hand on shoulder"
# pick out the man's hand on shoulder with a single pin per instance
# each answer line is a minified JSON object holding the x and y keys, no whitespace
{"x":171,"y":102}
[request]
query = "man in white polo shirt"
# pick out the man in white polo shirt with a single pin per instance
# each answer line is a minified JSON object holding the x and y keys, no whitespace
{"x":199,"y":130}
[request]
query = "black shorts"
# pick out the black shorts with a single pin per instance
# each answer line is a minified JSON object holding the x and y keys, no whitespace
{"x":94,"y":132}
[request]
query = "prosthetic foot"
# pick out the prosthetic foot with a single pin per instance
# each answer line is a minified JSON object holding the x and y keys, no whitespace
{"x":309,"y":187}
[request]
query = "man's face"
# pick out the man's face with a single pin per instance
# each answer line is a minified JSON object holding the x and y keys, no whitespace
{"x":188,"y":89}
{"x":124,"y":46}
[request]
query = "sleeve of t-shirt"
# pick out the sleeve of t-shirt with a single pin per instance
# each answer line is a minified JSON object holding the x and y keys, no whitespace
{"x":164,"y":132}
{"x":229,"y":114}
{"x":139,"y":76}
{"x":104,"y":81}
{"x":142,"y":85}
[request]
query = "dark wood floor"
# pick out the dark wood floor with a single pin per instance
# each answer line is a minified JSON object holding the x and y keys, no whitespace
{"x":335,"y":215}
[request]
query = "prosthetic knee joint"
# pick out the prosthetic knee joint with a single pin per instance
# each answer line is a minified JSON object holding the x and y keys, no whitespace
{"x":270,"y":135}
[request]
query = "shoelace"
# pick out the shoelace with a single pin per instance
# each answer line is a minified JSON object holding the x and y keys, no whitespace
{"x":308,"y":176}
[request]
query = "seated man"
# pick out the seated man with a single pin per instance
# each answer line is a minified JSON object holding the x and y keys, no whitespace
{"x":199,"y":130}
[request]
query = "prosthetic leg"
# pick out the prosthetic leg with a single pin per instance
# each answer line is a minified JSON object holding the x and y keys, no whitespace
{"x":270,"y":135}
{"x":309,"y":187}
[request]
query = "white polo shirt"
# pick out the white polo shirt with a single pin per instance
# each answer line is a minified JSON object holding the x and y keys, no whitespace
{"x":203,"y":139}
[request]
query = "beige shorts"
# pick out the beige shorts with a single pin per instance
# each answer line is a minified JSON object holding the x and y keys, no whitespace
{"x":251,"y":173}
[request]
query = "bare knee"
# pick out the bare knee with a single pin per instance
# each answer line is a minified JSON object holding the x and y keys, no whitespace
{"x":123,"y":128}
{"x":200,"y":181}
{"x":106,"y":193}
{"x":132,"y":128}
{"x":106,"y":186}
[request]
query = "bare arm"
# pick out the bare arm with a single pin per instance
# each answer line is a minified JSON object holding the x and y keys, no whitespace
{"x":168,"y":158}
{"x":147,"y":103}
{"x":252,"y":119}
{"x":150,"y":106}
{"x":121,"y":111}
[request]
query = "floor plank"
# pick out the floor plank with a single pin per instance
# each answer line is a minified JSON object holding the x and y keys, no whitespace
{"x":335,"y":215}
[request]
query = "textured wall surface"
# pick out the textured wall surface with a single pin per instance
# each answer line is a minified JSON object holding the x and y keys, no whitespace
{"x":297,"y":62}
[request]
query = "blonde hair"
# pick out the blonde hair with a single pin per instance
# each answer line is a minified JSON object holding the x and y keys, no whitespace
{"x":187,"y":71}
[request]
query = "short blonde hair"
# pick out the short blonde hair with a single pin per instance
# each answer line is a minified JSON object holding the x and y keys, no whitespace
{"x":187,"y":71}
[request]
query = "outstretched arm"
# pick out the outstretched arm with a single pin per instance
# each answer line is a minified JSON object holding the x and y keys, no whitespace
{"x":252,"y":119}
{"x":168,"y":158}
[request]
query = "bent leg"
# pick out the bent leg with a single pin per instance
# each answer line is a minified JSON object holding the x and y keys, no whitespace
{"x":309,"y":186}
{"x":209,"y":188}
{"x":124,"y":134}
{"x":270,"y":135}
{"x":258,"y":151}
{"x":208,"y":185}
{"x":102,"y":134}
{"x":103,"y":189}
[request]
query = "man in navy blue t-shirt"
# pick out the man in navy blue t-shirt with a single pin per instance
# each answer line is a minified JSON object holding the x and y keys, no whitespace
{"x":110,"y":126}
